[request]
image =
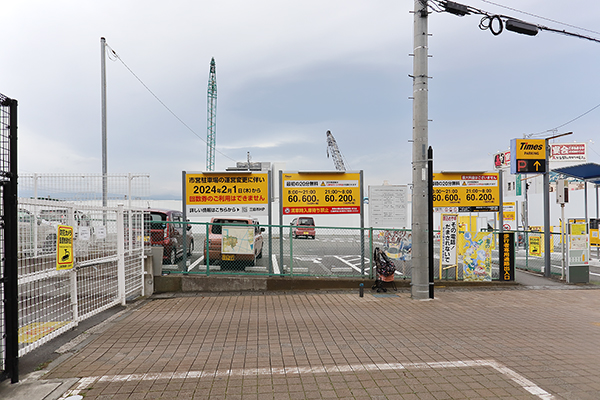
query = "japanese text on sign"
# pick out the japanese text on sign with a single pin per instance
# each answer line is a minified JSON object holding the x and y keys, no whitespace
{"x":469,"y":192}
{"x":64,"y":247}
{"x":448,"y":239}
{"x":226,"y":193}
{"x":507,"y":256}
{"x":321,"y":193}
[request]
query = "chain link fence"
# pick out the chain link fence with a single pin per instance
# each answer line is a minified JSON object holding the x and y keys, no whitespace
{"x":108,"y":265}
{"x":338,"y":252}
{"x":530,"y":252}
{"x":132,"y":190}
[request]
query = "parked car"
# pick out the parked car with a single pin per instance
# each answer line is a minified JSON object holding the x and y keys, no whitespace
{"x":159,"y":232}
{"x":303,"y":227}
{"x":240,"y":247}
{"x":26,"y":233}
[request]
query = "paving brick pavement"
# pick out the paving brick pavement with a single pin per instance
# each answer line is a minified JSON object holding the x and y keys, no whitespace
{"x":475,"y":344}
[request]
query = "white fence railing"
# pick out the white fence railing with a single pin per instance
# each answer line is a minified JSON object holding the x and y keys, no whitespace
{"x":108,"y":266}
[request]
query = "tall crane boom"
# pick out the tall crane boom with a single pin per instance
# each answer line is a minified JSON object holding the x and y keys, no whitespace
{"x":211,"y":135}
{"x":332,"y":148}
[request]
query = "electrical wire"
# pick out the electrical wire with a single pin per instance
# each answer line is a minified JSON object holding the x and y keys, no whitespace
{"x":487,"y":22}
{"x":540,"y":17}
{"x":488,"y":18}
{"x":114,"y":54}
{"x":560,"y":126}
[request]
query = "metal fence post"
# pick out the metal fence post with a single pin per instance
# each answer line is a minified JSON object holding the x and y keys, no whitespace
{"x":371,"y":253}
{"x":121,"y":254}
{"x":526,"y":236}
{"x":207,"y":247}
{"x":74,"y":296}
{"x":291,"y":254}
{"x":9,"y":210}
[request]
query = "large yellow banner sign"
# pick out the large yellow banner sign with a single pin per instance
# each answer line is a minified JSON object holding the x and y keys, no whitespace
{"x":466,"y":192}
{"x":320,"y":193}
{"x":227,"y":193}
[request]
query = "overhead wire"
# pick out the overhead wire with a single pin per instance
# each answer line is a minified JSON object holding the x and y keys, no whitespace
{"x":488,"y":18}
{"x":487,"y":23}
{"x":560,"y":126}
{"x":540,"y":17}
{"x":112,"y":55}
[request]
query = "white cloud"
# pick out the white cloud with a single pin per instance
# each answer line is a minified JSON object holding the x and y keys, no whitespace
{"x":286,"y":72}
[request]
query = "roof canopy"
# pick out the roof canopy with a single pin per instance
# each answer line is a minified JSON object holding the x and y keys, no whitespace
{"x":589,"y":172}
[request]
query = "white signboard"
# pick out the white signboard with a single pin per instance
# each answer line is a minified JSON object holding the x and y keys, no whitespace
{"x":568,"y":152}
{"x":388,"y":206}
{"x":84,"y":233}
{"x":449,"y":231}
{"x":509,"y":216}
{"x":100,"y":232}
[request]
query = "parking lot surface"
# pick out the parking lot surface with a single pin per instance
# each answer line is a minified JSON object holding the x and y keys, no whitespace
{"x":519,"y":343}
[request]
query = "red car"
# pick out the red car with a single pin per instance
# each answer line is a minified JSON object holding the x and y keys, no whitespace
{"x":303,"y":227}
{"x":168,"y":235}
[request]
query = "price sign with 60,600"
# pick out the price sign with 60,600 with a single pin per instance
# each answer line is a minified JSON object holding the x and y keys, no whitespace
{"x":320,"y":193}
{"x":466,"y":192}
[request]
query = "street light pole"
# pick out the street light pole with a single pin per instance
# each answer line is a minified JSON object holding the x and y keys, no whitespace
{"x":420,"y":200}
{"x":103,"y":91}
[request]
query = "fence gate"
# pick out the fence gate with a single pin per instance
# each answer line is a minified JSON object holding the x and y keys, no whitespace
{"x":9,"y":318}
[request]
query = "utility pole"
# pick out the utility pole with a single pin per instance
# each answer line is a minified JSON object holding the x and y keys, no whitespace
{"x":103,"y":90}
{"x":420,"y":200}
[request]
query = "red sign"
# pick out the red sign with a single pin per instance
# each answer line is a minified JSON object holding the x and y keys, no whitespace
{"x":502,"y":160}
{"x":568,"y":152}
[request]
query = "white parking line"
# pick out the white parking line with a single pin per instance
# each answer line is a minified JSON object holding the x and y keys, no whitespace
{"x":526,"y":384}
{"x":347,"y":263}
{"x":276,"y":270}
{"x":198,"y":261}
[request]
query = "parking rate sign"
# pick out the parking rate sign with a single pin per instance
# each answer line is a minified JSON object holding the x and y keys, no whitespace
{"x":226,"y":193}
{"x":464,"y":192}
{"x":320,"y":193}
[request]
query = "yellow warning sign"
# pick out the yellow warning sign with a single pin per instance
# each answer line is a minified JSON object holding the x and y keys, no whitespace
{"x":64,"y":247}
{"x":536,"y":247}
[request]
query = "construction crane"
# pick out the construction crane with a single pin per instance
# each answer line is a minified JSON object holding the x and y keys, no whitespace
{"x":211,"y":102}
{"x":336,"y":154}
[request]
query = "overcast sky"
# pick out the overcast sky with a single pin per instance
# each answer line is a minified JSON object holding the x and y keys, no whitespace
{"x":288,"y":71}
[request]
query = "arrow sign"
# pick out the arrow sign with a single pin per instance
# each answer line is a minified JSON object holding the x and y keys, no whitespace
{"x":530,"y":166}
{"x":529,"y":156}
